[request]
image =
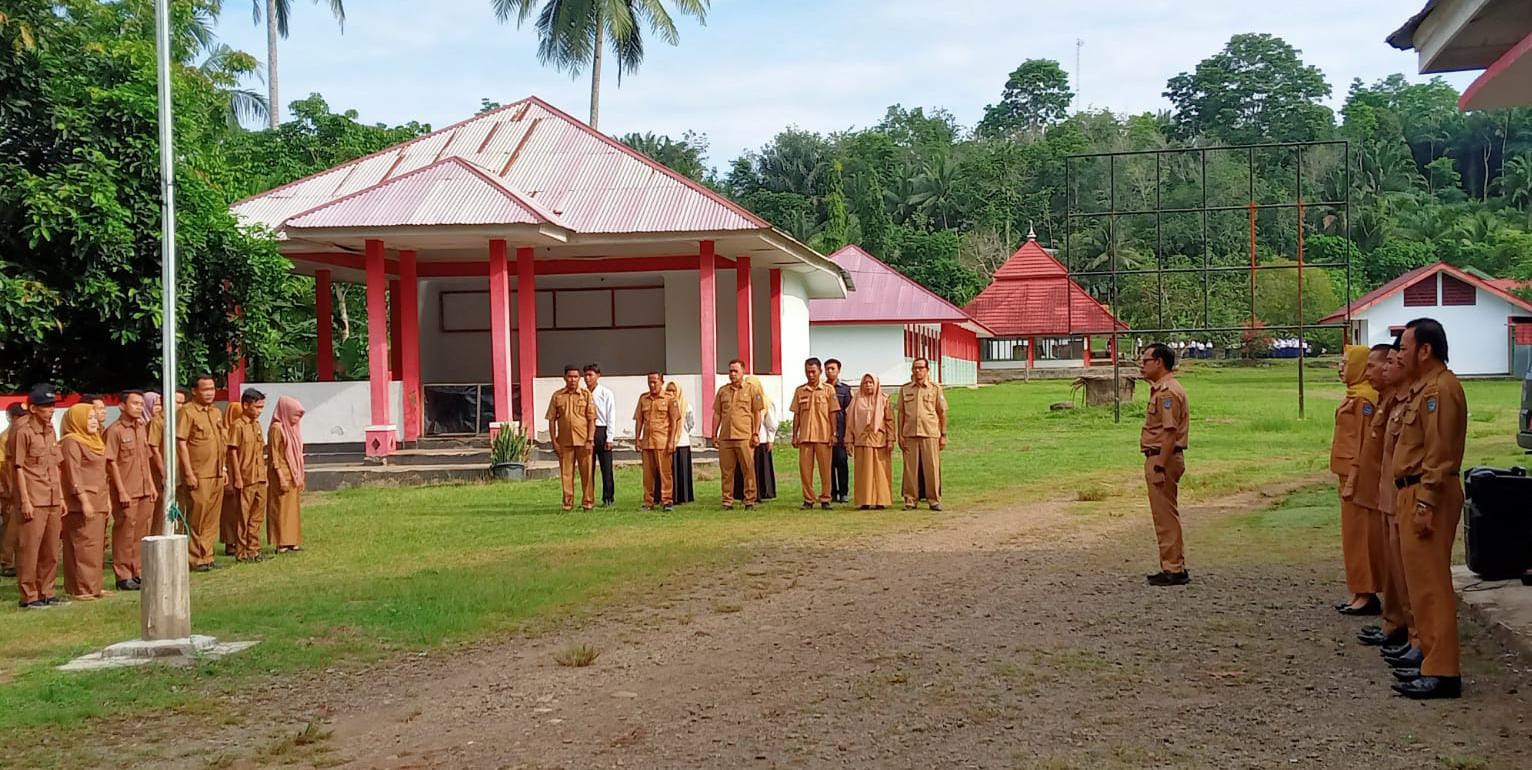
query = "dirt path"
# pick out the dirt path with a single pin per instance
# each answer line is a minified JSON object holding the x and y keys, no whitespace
{"x":1009,"y":639}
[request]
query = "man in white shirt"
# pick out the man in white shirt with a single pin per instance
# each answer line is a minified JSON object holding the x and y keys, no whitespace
{"x":606,"y":412}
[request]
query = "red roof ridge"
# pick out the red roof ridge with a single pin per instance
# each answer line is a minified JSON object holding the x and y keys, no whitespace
{"x":1008,"y":271}
{"x":933,"y":295}
{"x":1401,"y":282}
{"x":515,"y":196}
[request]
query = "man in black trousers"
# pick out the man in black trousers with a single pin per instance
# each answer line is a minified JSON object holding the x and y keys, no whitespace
{"x":606,"y":411}
{"x":840,"y":466}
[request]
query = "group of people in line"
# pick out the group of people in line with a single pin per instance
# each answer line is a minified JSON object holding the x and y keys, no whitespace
{"x":59,"y":491}
{"x":833,"y":428}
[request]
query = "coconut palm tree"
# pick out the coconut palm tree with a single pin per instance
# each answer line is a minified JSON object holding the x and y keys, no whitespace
{"x":572,"y":33}
{"x":276,"y":14}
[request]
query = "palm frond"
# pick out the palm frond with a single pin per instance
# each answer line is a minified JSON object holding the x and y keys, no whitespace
{"x":246,"y":106}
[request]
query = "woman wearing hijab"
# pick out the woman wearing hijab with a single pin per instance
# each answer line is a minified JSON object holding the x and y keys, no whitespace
{"x":86,"y":503}
{"x":765,"y":471}
{"x":284,"y":461}
{"x":682,"y":481}
{"x":1351,"y":417}
{"x":870,"y":432}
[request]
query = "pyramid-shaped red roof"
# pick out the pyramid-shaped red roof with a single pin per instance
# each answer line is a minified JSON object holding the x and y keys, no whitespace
{"x":884,"y":295}
{"x":450,"y":191}
{"x":1032,"y":295}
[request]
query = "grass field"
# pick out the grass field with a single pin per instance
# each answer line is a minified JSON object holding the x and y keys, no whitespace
{"x":388,"y":571}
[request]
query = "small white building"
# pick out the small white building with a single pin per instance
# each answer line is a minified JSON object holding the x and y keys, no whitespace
{"x":887,"y":321}
{"x":1489,"y":330}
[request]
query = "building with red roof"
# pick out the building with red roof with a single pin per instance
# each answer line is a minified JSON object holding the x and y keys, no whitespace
{"x":496,"y":250}
{"x":1489,"y":329}
{"x":887,"y":321}
{"x":1039,"y":316}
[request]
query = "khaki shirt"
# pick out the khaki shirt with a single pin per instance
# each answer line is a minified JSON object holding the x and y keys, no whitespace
{"x":127,"y":450}
{"x":5,"y":470}
{"x":1390,"y":422}
{"x":34,"y":454}
{"x":660,"y":417}
{"x":735,"y":410}
{"x":84,"y":478}
{"x":1365,"y":469}
{"x":1346,"y":440}
{"x":922,"y":410}
{"x":574,"y":412}
{"x":1432,"y":431}
{"x":1167,"y":413}
{"x":201,"y":427}
{"x":249,"y":450}
{"x":813,"y":410}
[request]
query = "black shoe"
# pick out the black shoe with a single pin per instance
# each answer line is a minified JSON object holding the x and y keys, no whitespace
{"x":808,"y":506}
{"x":936,"y":507}
{"x":54,"y":601}
{"x":1431,"y":687}
{"x":1410,"y":659}
{"x":8,"y":572}
{"x":1338,"y":606}
{"x":1170,"y":578}
{"x":1394,"y":651}
{"x":1377,"y":638}
{"x":669,"y":508}
{"x":749,"y":506}
{"x":1370,"y":630}
{"x":825,"y":506}
{"x":127,"y":585}
{"x":1406,"y":674}
{"x":1372,"y":607}
{"x":37,"y":605}
{"x":202,"y":568}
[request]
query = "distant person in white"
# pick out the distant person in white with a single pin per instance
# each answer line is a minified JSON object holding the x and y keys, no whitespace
{"x":606,"y":410}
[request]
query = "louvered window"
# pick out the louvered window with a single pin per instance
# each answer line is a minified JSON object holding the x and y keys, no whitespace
{"x":1456,"y":292}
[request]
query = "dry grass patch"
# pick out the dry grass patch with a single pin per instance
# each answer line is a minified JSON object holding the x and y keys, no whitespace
{"x":577,"y":655}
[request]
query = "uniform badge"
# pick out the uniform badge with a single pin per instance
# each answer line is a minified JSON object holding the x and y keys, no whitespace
{"x":1166,"y":403}
{"x":1366,"y":410}
{"x":1431,"y":404}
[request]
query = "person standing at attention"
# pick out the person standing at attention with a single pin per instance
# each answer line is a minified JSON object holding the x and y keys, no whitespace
{"x":681,"y":471}
{"x":1427,"y":465}
{"x":86,"y":502}
{"x":1351,"y":421}
{"x":201,"y":445}
{"x":814,"y":408}
{"x":870,"y":430}
{"x":1163,"y":442}
{"x":228,"y":517}
{"x":34,"y":457}
{"x":247,"y":475}
{"x":285,"y":478}
{"x":572,"y":430}
{"x":737,"y":429}
{"x":657,"y":423}
{"x":765,"y":469}
{"x":1366,"y":487}
{"x":10,"y":505}
{"x":840,"y":461}
{"x":922,"y":436}
{"x":129,"y":468}
{"x":606,"y":425}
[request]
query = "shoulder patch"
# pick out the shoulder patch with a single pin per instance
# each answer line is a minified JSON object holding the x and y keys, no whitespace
{"x":1431,"y":404}
{"x":1367,"y":410}
{"x":1167,"y":403}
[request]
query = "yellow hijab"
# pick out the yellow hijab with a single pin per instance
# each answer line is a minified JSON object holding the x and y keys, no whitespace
{"x":672,"y":387}
{"x":77,"y":428}
{"x":1357,"y":385}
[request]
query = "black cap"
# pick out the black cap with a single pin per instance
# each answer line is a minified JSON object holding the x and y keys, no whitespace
{"x":43,"y":394}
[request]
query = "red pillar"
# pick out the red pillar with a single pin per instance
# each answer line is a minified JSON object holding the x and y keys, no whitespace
{"x":742,"y":314}
{"x":395,"y":321}
{"x":1111,"y":347}
{"x":775,"y":319}
{"x":409,"y":344}
{"x":1031,"y":351}
{"x":500,"y":329}
{"x":236,"y":379}
{"x":708,"y":300}
{"x":381,"y":436}
{"x":323,"y":321}
{"x":526,"y":339}
{"x":1087,"y":351}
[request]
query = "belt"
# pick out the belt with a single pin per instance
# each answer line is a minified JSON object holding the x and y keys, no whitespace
{"x":1408,"y":481}
{"x":1152,"y":451}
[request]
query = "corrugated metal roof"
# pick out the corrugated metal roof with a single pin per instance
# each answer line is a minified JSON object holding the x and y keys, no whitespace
{"x":1398,"y":284}
{"x":1032,"y":295}
{"x":448,"y":192}
{"x":589,"y":181}
{"x":1031,"y":261}
{"x":882,"y":295}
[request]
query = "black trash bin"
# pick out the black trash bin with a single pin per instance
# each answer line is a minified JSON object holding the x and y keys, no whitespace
{"x":1497,"y":521}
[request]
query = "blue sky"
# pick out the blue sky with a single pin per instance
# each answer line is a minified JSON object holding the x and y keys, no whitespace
{"x":759,"y":65}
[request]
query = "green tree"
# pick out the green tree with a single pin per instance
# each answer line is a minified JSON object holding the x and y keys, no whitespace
{"x":276,"y":14}
{"x":687,"y":156}
{"x":573,"y":33}
{"x":1036,"y":94}
{"x":837,"y":229}
{"x":1256,"y":89}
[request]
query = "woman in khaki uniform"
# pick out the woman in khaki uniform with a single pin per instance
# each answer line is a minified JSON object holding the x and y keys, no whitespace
{"x":285,"y":479}
{"x":86,"y":503}
{"x":1351,"y":418}
{"x":870,"y":431}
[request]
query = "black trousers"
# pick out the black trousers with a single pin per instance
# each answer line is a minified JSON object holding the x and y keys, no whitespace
{"x":840,"y":472}
{"x":604,"y":462}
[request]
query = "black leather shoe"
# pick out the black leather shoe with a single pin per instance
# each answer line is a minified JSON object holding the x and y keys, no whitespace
{"x":1370,"y":630}
{"x":1406,"y":674}
{"x":808,"y":506}
{"x":202,"y":568}
{"x":1372,"y":607}
{"x":825,"y":506}
{"x":1431,"y":687}
{"x":1169,"y":578}
{"x":1410,"y":659}
{"x":37,"y":605}
{"x":1379,"y":639}
{"x":8,"y":572}
{"x":127,"y":585}
{"x":1394,"y":651}
{"x":54,"y":601}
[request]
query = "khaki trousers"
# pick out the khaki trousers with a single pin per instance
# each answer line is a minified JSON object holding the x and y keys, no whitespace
{"x":203,"y":508}
{"x":1428,"y":576}
{"x":37,"y":552}
{"x":570,"y":458}
{"x":732,"y":455}
{"x":84,"y":553}
{"x":659,"y":465}
{"x":810,"y":455}
{"x":922,"y":463}
{"x":130,"y":524}
{"x":1396,"y":594}
{"x":252,"y":516}
{"x":12,"y":535}
{"x":1356,"y":549}
{"x":228,"y":520}
{"x":1165,"y":507}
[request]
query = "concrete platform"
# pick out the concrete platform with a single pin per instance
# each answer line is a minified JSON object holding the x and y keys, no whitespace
{"x":1503,"y":606}
{"x":138,"y":652}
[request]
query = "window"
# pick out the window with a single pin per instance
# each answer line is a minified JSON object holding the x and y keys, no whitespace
{"x":1456,"y":292}
{"x":1422,"y":293}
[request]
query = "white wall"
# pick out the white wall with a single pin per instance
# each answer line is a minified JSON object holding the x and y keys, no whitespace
{"x":627,"y":390}
{"x":1478,"y":341}
{"x":875,"y":348}
{"x":795,"y":331}
{"x":334,"y":412}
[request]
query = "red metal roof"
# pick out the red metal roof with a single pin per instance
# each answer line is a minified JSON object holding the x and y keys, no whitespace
{"x":1032,"y":295}
{"x":884,"y":295}
{"x":590,"y":182}
{"x":1399,"y":284}
{"x":451,"y":191}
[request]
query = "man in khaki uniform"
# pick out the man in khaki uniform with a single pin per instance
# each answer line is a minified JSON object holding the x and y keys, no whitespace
{"x":1163,"y":442}
{"x":34,"y":458}
{"x":922,"y":436}
{"x":572,"y":429}
{"x":1427,"y":463}
{"x":814,"y":408}
{"x":201,"y":444}
{"x":131,"y":480}
{"x":10,"y":509}
{"x":657,"y":428}
{"x":737,"y":424}
{"x":247,"y":474}
{"x":1371,"y":484}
